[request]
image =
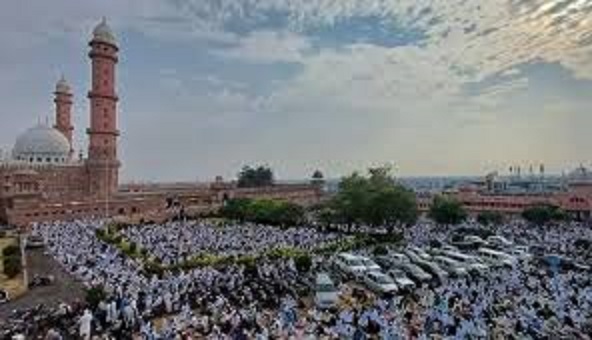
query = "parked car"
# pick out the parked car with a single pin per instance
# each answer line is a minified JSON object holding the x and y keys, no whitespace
{"x":379,"y":283}
{"x":521,"y":253}
{"x":392,"y":260}
{"x":438,"y":274}
{"x":401,"y":279}
{"x":34,"y":242}
{"x":449,"y":247}
{"x":473,"y":264}
{"x":326,"y":294}
{"x":368,"y":264}
{"x":421,"y":253}
{"x":475,"y":240}
{"x":453,"y":267}
{"x":416,"y":273}
{"x":499,"y":241}
{"x":497,"y":258}
{"x":349,"y":265}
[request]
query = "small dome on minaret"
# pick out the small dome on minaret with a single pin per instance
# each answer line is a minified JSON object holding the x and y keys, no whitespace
{"x":103,"y":33}
{"x":62,"y":86}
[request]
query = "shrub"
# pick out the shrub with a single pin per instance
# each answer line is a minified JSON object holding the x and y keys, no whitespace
{"x":11,"y":250}
{"x":380,"y":250}
{"x":12,"y":266}
{"x":153,"y":268}
{"x":100,"y":233}
{"x":303,"y":263}
{"x":133,"y":247}
{"x":247,"y":260}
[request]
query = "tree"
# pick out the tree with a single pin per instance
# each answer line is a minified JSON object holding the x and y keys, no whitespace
{"x":447,"y":211}
{"x":543,"y":213}
{"x":236,"y":209}
{"x":11,"y":250}
{"x":490,"y":218}
{"x":12,"y":266}
{"x":260,"y":176}
{"x":317,"y":178}
{"x":303,"y":263}
{"x":375,"y":200}
{"x":264,"y":211}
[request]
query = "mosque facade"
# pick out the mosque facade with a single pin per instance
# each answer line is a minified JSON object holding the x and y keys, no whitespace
{"x":42,"y":179}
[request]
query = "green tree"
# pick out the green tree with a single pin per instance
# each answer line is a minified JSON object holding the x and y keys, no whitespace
{"x":236,"y":209}
{"x":259,"y":176}
{"x":12,"y":266}
{"x":543,"y":213}
{"x":317,"y":178}
{"x":264,"y":211}
{"x":303,"y":263}
{"x":447,"y":211}
{"x":376,"y":200}
{"x":11,"y":250}
{"x":490,"y":218}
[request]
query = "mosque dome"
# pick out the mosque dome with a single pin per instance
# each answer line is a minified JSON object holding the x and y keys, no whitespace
{"x":103,"y":33}
{"x":62,"y":86}
{"x":41,"y":145}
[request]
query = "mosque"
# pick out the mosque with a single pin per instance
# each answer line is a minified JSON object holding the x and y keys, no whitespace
{"x":42,"y":179}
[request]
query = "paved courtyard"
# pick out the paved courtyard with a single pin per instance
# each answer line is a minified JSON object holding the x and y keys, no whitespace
{"x":65,"y":288}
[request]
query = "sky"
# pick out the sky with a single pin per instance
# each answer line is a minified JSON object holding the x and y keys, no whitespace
{"x":435,"y":87}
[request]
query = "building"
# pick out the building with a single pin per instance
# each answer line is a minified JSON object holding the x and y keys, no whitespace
{"x":512,"y":195}
{"x":42,"y":179}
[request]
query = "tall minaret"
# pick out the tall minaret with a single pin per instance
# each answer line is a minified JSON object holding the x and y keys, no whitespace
{"x":102,"y":161}
{"x":63,"y":111}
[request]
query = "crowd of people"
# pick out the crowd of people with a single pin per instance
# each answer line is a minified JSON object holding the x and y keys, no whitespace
{"x":269,"y":301}
{"x":175,"y":242}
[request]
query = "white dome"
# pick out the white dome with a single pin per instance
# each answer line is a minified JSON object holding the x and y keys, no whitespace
{"x":62,"y":86}
{"x":42,"y":144}
{"x":103,"y":33}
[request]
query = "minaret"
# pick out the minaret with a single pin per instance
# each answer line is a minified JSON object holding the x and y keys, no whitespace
{"x":102,"y":161}
{"x":63,"y":111}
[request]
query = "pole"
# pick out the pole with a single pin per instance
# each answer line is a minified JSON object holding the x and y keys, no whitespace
{"x":107,"y":190}
{"x":23,"y":246}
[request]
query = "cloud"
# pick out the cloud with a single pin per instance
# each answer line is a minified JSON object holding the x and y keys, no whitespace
{"x":454,"y":64}
{"x":268,"y":47}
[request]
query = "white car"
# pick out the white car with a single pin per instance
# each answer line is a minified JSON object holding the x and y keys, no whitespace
{"x":349,"y":264}
{"x":453,"y":267}
{"x":475,"y":239}
{"x":416,"y":273}
{"x":499,"y":241}
{"x":326,"y":294}
{"x":392,"y":260}
{"x":369,"y":264}
{"x":421,"y":253}
{"x":497,"y":258}
{"x":379,"y":283}
{"x":520,"y":253}
{"x":401,"y":279}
